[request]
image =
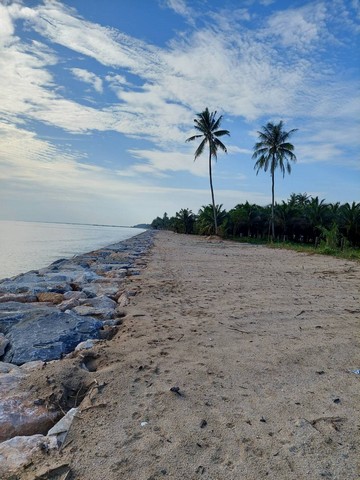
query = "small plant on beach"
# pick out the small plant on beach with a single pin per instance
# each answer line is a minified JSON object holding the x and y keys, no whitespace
{"x":207,"y":123}
{"x":274,"y":151}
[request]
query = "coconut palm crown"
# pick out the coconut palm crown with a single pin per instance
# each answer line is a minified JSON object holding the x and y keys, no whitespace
{"x":207,"y":123}
{"x":271,"y":152}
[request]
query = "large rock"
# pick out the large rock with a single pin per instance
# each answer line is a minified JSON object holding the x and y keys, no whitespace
{"x":19,"y":415}
{"x":48,"y":335}
{"x":12,"y":313}
{"x":19,"y":451}
{"x":17,"y":297}
{"x":50,"y":297}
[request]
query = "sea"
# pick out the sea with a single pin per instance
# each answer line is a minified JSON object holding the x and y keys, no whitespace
{"x":28,"y":246}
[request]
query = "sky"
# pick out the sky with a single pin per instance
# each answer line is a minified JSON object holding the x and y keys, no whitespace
{"x":98,"y":98}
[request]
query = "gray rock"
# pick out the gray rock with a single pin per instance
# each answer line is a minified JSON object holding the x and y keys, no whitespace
{"x":68,"y":304}
{"x":48,"y":336}
{"x":19,"y":297}
{"x":104,"y":313}
{"x":74,"y":295}
{"x":12,"y":313}
{"x":4,"y":342}
{"x":99,"y":302}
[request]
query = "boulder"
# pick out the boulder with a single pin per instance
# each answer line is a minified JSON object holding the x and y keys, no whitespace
{"x":12,"y":313}
{"x":18,"y":452}
{"x":20,"y":415}
{"x":68,"y":304}
{"x":17,"y":297}
{"x":48,"y":335}
{"x":74,"y":295}
{"x":50,"y":297}
{"x":123,"y":300}
{"x":102,"y":313}
{"x":102,"y":302}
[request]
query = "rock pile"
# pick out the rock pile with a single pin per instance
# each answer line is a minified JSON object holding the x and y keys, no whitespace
{"x":45,"y":315}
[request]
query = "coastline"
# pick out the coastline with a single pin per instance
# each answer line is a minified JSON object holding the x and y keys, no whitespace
{"x":231,"y":361}
{"x":51,"y":314}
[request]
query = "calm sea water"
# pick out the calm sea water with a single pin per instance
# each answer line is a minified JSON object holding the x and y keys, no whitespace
{"x":28,"y":246}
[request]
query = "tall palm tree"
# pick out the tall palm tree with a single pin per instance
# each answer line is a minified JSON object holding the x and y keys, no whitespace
{"x":207,"y":123}
{"x":271,"y":152}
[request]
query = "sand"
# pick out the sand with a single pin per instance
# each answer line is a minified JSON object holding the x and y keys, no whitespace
{"x":257,"y":345}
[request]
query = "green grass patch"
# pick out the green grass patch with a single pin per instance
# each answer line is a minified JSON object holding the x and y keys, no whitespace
{"x":347,"y":253}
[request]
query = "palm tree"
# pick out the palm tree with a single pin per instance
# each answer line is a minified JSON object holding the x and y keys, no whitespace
{"x":274,"y":151}
{"x":208,"y":125}
{"x":205,"y":220}
{"x":185,"y":220}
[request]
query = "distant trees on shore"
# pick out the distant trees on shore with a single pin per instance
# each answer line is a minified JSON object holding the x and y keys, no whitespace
{"x":302,"y":219}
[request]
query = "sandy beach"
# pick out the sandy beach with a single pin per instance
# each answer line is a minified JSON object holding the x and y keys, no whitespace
{"x":233,"y":362}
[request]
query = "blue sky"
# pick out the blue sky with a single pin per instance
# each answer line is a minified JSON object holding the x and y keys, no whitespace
{"x":98,"y":97}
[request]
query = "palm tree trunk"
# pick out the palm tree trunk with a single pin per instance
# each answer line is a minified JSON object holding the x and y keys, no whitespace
{"x":212,"y":195}
{"x":272,"y":205}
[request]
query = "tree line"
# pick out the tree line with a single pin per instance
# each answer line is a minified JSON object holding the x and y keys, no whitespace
{"x":302,"y":218}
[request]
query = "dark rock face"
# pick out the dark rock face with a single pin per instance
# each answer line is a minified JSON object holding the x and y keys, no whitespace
{"x":12,"y":313}
{"x":48,"y":335}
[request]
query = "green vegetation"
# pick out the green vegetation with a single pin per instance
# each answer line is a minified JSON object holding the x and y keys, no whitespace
{"x":208,"y":125}
{"x":303,"y":223}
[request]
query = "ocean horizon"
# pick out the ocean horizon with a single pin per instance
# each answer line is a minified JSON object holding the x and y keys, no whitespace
{"x":26,"y":246}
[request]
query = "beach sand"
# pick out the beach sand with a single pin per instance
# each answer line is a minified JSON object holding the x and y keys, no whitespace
{"x":257,"y":345}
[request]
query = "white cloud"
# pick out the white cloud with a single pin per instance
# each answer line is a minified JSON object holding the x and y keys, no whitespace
{"x":180,"y":7}
{"x":298,"y":27}
{"x":88,"y":77}
{"x":170,"y":161}
{"x":240,"y":74}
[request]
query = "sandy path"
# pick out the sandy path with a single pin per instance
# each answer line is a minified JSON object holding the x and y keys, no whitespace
{"x":260,"y":343}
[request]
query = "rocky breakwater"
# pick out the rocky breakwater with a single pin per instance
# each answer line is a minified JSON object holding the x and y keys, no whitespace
{"x":48,"y":318}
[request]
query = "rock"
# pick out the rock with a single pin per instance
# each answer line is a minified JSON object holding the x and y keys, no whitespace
{"x":101,"y":307}
{"x":4,"y":342}
{"x":103,"y":313}
{"x":68,"y":304}
{"x":12,"y":313}
{"x":123,"y":300}
{"x":17,"y":297}
{"x":48,"y":335}
{"x":74,"y":295}
{"x":7,"y":367}
{"x":97,"y":289}
{"x":20,"y":416}
{"x":50,"y":297}
{"x":10,"y":376}
{"x":85,"y":345}
{"x":18,"y":451}
{"x":99,"y":302}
